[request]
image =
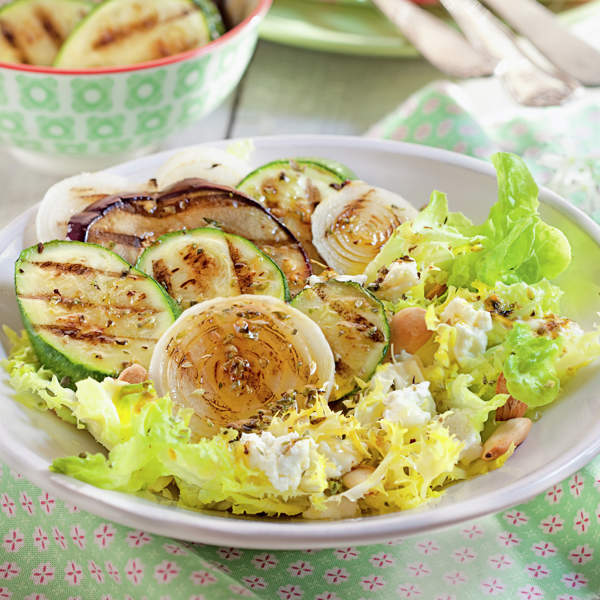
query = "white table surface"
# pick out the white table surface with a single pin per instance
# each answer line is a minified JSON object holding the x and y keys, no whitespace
{"x":285,"y":90}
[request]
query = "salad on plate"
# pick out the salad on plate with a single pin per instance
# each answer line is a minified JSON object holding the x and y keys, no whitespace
{"x":290,"y":340}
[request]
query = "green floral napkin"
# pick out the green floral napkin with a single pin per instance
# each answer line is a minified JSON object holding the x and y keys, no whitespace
{"x":547,"y":549}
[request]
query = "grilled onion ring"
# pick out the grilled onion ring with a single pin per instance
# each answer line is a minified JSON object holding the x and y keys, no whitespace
{"x":236,"y":361}
{"x":352,"y":224}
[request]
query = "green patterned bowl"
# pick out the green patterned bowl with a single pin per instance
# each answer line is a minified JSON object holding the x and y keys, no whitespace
{"x":65,"y":121}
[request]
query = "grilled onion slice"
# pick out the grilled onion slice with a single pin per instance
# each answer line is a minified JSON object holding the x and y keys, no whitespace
{"x":350,"y":225}
{"x":236,"y":361}
{"x":70,"y":196}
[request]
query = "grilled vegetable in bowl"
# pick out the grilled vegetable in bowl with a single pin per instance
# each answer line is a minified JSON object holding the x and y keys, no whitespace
{"x":206,"y":263}
{"x":351,"y":224}
{"x":88,"y":312}
{"x":291,"y":190}
{"x":355,"y":326}
{"x":32,"y":31}
{"x":238,"y":361}
{"x":189,"y":204}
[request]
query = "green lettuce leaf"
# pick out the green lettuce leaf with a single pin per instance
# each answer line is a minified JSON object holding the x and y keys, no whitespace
{"x":530,"y":366}
{"x":513,"y":245}
{"x":517,"y":244}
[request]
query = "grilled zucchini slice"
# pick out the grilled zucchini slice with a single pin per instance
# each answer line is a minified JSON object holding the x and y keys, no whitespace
{"x":87,"y":311}
{"x":207,"y":263}
{"x":292,"y":188}
{"x":32,"y":31}
{"x":121,"y":32}
{"x":354,"y":324}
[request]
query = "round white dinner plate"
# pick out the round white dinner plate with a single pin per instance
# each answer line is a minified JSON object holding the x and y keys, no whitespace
{"x":565,"y":439}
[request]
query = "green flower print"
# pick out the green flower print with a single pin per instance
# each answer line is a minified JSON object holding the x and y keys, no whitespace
{"x":56,"y":128}
{"x":114,"y":147}
{"x":72,"y":149}
{"x":39,"y":93}
{"x":92,"y":96}
{"x":192,"y":110}
{"x":12,"y":122}
{"x":102,"y":128}
{"x":3,"y":97}
{"x":145,"y":89}
{"x":190,"y":77}
{"x":27,"y":144}
{"x":153,"y":120}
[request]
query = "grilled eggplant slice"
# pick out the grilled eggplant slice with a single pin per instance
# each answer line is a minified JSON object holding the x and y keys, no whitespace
{"x":132,"y":31}
{"x":69,"y":197}
{"x":291,"y":189}
{"x":206,"y":263}
{"x":32,"y":31}
{"x":88,"y":312}
{"x":350,"y":225}
{"x":355,"y":325}
{"x":237,"y":361}
{"x":128,"y":224}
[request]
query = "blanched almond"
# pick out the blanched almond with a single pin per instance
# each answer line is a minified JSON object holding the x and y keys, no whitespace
{"x":357,"y":475}
{"x":513,"y":431}
{"x":408,"y":329}
{"x":513,"y":408}
{"x":134,"y":374}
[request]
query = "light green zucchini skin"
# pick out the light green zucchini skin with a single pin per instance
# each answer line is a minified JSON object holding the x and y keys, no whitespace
{"x":220,"y":269}
{"x":355,"y":325}
{"x":213,"y":17}
{"x":72,"y":367}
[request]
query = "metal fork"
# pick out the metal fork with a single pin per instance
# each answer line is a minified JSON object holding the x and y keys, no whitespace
{"x":490,"y":46}
{"x":526,"y":81}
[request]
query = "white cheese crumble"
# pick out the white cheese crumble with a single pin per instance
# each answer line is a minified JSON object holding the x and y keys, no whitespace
{"x":282,"y":459}
{"x":471,"y":327}
{"x":411,"y":406}
{"x":457,"y":422}
{"x":401,"y":276}
{"x":340,"y":455}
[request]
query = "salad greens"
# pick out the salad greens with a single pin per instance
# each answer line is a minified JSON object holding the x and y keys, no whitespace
{"x":416,"y":426}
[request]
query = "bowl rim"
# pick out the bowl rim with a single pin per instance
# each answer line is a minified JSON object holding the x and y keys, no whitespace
{"x":250,"y":532}
{"x":255,"y":16}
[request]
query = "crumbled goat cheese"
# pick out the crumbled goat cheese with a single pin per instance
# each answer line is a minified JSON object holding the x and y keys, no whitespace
{"x":457,"y":422}
{"x":471,"y":327}
{"x":283,"y":459}
{"x":410,"y":406}
{"x":401,"y":276}
{"x":340,"y":455}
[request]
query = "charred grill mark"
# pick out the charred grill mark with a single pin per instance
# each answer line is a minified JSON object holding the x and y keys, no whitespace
{"x":244,"y":274}
{"x":84,"y":304}
{"x":79,"y":269}
{"x":360,"y":323}
{"x":9,"y":37}
{"x":49,"y":26}
{"x":162,"y":274}
{"x":119,"y":34}
{"x":341,"y":368}
{"x":92,"y":336}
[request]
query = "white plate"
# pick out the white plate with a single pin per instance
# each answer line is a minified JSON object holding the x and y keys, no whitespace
{"x":565,"y":439}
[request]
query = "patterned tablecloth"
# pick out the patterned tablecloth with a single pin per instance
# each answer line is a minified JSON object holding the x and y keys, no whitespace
{"x":546,"y":549}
